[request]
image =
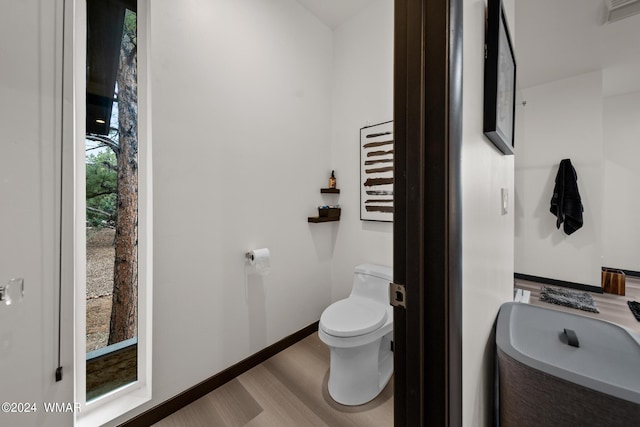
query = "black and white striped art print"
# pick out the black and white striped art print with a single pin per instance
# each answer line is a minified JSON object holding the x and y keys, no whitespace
{"x":376,"y":172}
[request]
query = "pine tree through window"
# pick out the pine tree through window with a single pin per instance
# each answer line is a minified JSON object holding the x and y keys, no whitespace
{"x":111,"y":196}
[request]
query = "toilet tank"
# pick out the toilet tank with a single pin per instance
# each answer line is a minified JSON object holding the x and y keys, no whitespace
{"x":372,"y":281}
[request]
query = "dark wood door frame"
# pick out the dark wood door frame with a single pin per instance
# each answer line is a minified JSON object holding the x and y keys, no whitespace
{"x":427,"y":217}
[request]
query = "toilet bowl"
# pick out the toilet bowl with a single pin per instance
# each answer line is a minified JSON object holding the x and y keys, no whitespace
{"x":359,"y":333}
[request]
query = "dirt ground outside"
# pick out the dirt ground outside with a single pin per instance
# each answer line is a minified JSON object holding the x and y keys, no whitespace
{"x":100,"y":258}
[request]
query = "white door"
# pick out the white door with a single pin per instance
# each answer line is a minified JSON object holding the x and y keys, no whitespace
{"x":30,"y":139}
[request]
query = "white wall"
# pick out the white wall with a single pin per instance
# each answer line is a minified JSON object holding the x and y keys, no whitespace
{"x":241,"y":147}
{"x":487,"y":235}
{"x":562,"y":119}
{"x":362,"y":91}
{"x":30,"y":89}
{"x":620,"y":204}
{"x":245,"y":134}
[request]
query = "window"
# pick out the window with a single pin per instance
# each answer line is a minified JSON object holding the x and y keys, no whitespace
{"x":113,"y":186}
{"x":111,"y":196}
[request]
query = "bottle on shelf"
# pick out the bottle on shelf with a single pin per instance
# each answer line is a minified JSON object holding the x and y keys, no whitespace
{"x":332,"y":180}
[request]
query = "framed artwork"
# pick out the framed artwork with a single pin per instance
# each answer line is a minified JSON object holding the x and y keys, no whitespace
{"x":499,"y":80}
{"x":376,"y":172}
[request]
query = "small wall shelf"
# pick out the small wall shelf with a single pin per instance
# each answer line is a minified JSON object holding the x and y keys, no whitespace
{"x":318,"y":219}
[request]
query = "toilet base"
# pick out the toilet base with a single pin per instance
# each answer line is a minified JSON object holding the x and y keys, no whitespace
{"x":358,"y":374}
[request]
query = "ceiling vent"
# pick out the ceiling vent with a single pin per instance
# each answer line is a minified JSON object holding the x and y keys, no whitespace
{"x":620,"y":9}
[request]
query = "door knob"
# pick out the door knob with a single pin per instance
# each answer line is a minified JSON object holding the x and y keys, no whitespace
{"x":12,"y":292}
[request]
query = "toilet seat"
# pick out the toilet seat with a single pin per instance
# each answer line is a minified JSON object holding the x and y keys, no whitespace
{"x":352,"y":317}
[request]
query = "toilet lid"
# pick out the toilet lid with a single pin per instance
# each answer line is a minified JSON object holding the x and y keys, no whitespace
{"x":352,"y":317}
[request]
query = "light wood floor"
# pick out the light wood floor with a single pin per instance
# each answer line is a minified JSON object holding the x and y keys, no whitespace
{"x":289,"y":389}
{"x":613,"y":308}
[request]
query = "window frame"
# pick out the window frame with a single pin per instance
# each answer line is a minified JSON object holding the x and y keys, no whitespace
{"x":123,"y":399}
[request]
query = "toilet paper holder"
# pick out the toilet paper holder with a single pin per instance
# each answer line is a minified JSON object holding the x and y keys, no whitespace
{"x":259,"y":260}
{"x":258,"y":256}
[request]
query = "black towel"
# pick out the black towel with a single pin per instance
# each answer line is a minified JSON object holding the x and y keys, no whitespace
{"x":566,"y":204}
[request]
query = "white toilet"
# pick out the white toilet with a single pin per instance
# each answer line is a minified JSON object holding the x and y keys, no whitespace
{"x":359,"y":331}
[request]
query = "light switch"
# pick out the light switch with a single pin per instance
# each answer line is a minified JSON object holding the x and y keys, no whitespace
{"x":504,"y":192}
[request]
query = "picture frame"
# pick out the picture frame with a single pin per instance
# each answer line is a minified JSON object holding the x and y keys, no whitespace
{"x":499,"y":80}
{"x":376,"y":172}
